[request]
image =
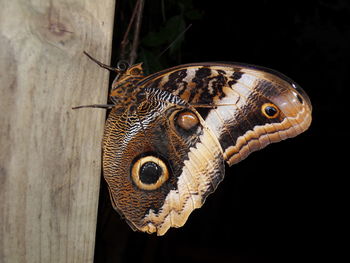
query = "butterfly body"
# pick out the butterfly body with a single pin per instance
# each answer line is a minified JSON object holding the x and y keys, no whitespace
{"x":168,"y":134}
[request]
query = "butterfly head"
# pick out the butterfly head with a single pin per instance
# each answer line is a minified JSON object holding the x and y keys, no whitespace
{"x":124,"y":85}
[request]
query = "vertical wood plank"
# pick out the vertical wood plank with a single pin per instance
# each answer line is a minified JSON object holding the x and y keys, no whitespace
{"x":50,"y":157}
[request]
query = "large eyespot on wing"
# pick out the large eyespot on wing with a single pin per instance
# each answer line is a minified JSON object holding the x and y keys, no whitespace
{"x":149,"y":172}
{"x":247,"y":107}
{"x":160,"y":162}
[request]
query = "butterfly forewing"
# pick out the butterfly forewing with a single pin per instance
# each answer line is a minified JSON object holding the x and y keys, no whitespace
{"x":233,"y":98}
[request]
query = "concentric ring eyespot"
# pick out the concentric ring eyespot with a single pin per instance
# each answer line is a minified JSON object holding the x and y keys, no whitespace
{"x":149,"y":172}
{"x":270,"y":110}
{"x":186,"y":120}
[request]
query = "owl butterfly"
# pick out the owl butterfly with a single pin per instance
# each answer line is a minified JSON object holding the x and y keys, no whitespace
{"x":168,"y":134}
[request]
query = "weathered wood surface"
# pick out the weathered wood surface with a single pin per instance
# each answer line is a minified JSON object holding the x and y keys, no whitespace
{"x":50,"y":154}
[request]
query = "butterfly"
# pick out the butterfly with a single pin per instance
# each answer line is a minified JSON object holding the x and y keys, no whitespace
{"x":169,"y":134}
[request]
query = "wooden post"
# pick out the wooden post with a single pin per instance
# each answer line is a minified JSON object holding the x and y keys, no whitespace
{"x":50,"y":155}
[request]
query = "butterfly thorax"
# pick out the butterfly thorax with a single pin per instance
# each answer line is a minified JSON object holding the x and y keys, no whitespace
{"x":124,"y":88}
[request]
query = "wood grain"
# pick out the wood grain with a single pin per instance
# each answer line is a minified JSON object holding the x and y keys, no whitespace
{"x":50,"y":157}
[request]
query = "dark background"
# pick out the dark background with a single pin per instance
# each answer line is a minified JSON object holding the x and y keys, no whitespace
{"x":285,"y":199}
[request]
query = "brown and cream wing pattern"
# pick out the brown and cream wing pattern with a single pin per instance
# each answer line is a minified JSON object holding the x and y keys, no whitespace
{"x":160,"y":161}
{"x":247,"y":107}
{"x":168,"y":134}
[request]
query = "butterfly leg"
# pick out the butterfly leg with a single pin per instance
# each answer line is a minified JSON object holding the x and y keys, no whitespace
{"x":101,"y":106}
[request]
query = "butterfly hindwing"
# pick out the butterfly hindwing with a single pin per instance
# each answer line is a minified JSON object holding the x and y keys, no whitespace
{"x":159,"y":164}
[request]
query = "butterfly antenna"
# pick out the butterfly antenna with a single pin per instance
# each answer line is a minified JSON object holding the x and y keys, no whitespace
{"x":102,"y":65}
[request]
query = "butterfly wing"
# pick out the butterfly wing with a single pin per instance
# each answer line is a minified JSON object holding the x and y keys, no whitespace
{"x":246,"y":107}
{"x":160,"y":161}
{"x":163,"y":149}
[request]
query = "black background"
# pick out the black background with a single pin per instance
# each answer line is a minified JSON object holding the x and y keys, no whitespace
{"x":285,"y":199}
